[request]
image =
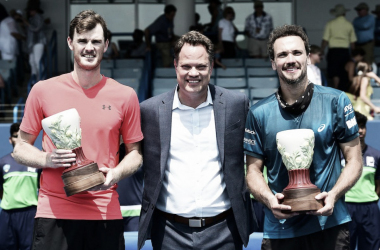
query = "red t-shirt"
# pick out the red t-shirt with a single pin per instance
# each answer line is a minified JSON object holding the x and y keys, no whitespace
{"x":107,"y":110}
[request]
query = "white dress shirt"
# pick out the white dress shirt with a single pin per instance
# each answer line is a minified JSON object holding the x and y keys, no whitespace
{"x":193,"y":184}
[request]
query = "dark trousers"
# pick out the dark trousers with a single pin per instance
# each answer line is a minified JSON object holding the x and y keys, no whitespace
{"x":16,"y":228}
{"x":365,"y":225}
{"x":169,"y":235}
{"x":335,"y":238}
{"x":59,"y":234}
{"x":229,"y":50}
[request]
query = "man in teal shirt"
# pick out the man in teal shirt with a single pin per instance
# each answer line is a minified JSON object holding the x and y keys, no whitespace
{"x":299,"y":104}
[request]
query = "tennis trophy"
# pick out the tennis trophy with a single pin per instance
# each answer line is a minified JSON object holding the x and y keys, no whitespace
{"x":64,"y":131}
{"x":297,"y":149}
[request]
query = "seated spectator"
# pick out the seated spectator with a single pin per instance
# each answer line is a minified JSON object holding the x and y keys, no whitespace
{"x":112,"y":51}
{"x":138,"y":47}
{"x":217,"y":62}
{"x":216,"y":12}
{"x":361,"y":90}
{"x":313,"y":72}
{"x":8,"y":32}
{"x":227,"y":33}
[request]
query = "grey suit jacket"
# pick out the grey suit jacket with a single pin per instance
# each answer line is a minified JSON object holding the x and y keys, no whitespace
{"x":230,"y":111}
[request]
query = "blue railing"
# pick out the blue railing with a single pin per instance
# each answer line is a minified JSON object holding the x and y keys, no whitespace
{"x":18,"y":109}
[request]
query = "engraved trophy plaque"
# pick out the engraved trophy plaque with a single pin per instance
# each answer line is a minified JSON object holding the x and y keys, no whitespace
{"x":297,"y":149}
{"x":64,"y":131}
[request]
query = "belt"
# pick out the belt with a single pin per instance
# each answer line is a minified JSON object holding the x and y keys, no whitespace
{"x":196,"y":221}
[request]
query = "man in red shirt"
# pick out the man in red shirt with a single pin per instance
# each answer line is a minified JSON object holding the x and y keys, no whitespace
{"x":89,"y":219}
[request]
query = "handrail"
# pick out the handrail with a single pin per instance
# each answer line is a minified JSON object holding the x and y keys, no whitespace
{"x":18,"y":105}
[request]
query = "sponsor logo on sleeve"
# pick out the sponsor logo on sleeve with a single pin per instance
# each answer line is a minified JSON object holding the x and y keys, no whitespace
{"x":249,"y":141}
{"x":348,"y":110}
{"x":370,"y":161}
{"x":250,"y":131}
{"x":352,"y":122}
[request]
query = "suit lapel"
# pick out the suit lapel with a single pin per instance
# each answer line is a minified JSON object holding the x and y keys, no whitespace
{"x":165,"y":123}
{"x":220,"y":118}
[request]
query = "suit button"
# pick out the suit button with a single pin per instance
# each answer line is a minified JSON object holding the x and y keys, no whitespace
{"x":152,"y":206}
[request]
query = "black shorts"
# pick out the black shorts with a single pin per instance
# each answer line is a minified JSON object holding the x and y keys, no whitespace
{"x":78,"y":234}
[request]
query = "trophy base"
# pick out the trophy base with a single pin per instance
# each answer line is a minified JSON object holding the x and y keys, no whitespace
{"x":302,"y":200}
{"x":82,"y":178}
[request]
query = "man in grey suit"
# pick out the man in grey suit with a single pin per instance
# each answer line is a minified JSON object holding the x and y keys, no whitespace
{"x":195,"y":195}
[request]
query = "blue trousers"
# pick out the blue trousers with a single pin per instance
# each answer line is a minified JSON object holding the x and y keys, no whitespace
{"x":365,"y":225}
{"x":16,"y":228}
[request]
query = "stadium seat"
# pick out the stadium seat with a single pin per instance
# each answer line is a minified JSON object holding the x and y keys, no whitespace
{"x":257,"y":94}
{"x":230,"y":72}
{"x":376,"y":93}
{"x":107,"y":64}
{"x":129,"y":63}
{"x":263,"y":82}
{"x":127,"y":73}
{"x":233,"y":62}
{"x":131,"y":82}
{"x":261,"y":72}
{"x":165,"y":73}
{"x":162,"y":85}
{"x":231,"y":82}
{"x":106,"y":71}
{"x":257,"y":62}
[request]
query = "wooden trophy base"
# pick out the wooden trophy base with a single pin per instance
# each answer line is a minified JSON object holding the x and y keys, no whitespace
{"x":302,"y":200}
{"x":82,"y":178}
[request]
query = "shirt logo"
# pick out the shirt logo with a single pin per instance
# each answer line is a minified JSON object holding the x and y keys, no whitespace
{"x":6,"y":168}
{"x":250,"y":131}
{"x":348,"y":108}
{"x":105,"y":107}
{"x":370,"y":161}
{"x":321,"y":128}
{"x":352,"y":122}
{"x":250,"y":141}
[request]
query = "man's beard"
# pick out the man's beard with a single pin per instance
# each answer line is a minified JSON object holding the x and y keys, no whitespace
{"x":296,"y":81}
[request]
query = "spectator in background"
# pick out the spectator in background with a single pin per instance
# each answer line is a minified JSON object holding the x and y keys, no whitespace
{"x":257,"y":28}
{"x":361,"y":199}
{"x":361,"y":90}
{"x":217,"y":57}
{"x":216,"y":12}
{"x":35,"y":39}
{"x":357,"y":56}
{"x":163,"y":30}
{"x":138,"y":47}
{"x":364,"y":26}
{"x":112,"y":51}
{"x":227,"y":33}
{"x":8,"y":33}
{"x":197,"y":26}
{"x":313,"y":72}
{"x":339,"y":35}
{"x":18,"y":191}
{"x":377,"y":25}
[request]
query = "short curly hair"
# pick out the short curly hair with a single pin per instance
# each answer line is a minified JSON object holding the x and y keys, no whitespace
{"x":287,"y":30}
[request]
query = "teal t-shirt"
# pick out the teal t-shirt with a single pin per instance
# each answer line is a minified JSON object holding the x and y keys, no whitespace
{"x":331,"y":116}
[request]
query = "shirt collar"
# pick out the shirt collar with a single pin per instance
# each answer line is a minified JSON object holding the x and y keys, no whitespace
{"x":177,"y":103}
